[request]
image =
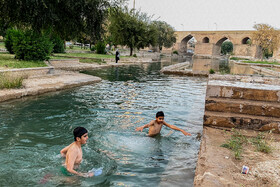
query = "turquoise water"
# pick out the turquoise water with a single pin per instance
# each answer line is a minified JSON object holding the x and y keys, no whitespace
{"x":33,"y":131}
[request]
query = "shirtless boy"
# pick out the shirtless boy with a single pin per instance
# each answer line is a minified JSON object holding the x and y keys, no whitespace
{"x":156,"y":125}
{"x":74,"y":154}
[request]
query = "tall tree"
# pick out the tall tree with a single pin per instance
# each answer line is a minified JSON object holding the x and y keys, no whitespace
{"x":165,"y":34}
{"x":266,"y":37}
{"x":66,"y":18}
{"x":131,"y":28}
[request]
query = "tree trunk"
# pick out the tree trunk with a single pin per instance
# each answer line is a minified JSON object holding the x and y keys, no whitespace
{"x":131,"y":51}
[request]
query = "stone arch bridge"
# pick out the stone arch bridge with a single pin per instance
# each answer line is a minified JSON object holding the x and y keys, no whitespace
{"x":209,"y":42}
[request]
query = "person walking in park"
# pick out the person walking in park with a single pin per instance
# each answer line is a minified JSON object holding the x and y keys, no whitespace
{"x":117,"y":55}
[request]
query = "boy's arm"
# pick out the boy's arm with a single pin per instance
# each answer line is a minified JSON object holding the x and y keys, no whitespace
{"x":143,"y":127}
{"x":176,"y":128}
{"x":64,"y":151}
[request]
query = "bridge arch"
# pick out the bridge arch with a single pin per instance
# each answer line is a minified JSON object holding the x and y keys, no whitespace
{"x":184,"y":43}
{"x":217,"y":46}
{"x":205,"y":40}
{"x":246,"y":40}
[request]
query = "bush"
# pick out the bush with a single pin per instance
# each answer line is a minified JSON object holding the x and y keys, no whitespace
{"x":175,"y":52}
{"x":227,"y":47}
{"x":93,"y":48}
{"x":211,"y":71}
{"x":58,"y":44}
{"x":100,"y":48}
{"x":9,"y":38}
{"x":32,"y":46}
{"x":134,"y":55}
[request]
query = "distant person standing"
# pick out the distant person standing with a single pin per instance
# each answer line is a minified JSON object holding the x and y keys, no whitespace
{"x":117,"y":56}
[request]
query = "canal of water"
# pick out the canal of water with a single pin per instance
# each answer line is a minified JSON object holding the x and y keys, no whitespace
{"x":33,"y":130}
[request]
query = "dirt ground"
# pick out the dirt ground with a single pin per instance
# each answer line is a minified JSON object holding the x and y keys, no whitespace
{"x":217,"y":165}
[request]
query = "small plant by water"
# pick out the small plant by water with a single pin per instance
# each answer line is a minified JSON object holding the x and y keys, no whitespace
{"x":211,"y":71}
{"x":10,"y":81}
{"x":237,"y":142}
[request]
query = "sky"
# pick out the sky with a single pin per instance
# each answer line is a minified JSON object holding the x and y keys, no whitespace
{"x":211,"y":15}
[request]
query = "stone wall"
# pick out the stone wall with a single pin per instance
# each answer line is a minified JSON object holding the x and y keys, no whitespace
{"x":244,"y":102}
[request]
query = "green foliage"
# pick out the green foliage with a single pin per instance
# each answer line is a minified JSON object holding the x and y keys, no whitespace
{"x":131,"y":28}
{"x":175,"y":52}
{"x":134,"y":55}
{"x":165,"y":34}
{"x":93,"y":48}
{"x":11,"y":34}
{"x":10,"y":81}
{"x":235,"y":143}
{"x":32,"y":46}
{"x":227,"y":47}
{"x":237,"y":58}
{"x":9,"y":61}
{"x":68,"y":19}
{"x":100,"y":48}
{"x":260,"y":143}
{"x":58,"y":44}
{"x":211,"y":71}
{"x":237,"y":140}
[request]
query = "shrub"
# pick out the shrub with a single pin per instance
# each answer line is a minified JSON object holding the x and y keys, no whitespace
{"x":175,"y":52}
{"x":100,"y":48}
{"x":11,"y":34}
{"x":58,"y":44}
{"x":211,"y":71}
{"x":32,"y":46}
{"x":93,"y":48}
{"x":227,"y":47}
{"x":134,"y":55}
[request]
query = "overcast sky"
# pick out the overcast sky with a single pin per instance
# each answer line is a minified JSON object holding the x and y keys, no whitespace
{"x":196,"y":15}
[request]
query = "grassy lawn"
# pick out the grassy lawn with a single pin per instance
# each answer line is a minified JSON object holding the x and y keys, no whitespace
{"x":2,"y":45}
{"x":8,"y":61}
{"x":261,"y":62}
{"x":77,"y":48}
{"x":87,"y":55}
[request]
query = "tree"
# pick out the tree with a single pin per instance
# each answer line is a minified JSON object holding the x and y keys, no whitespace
{"x":165,"y":34}
{"x":131,"y":28}
{"x":67,"y":19}
{"x":226,"y":47}
{"x":266,"y":37}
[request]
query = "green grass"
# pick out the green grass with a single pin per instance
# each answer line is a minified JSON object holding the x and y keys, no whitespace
{"x":237,"y":141}
{"x":8,"y":61}
{"x":86,"y":55}
{"x":2,"y":45}
{"x":236,"y":58}
{"x":261,"y":62}
{"x":9,"y":81}
{"x":78,"y":48}
{"x":98,"y":61}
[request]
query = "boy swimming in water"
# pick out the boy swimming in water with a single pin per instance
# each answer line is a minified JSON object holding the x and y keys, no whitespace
{"x":74,"y":154}
{"x":156,"y":125}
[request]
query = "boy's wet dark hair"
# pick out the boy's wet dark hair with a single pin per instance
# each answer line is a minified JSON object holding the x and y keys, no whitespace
{"x":160,"y":114}
{"x":79,"y":132}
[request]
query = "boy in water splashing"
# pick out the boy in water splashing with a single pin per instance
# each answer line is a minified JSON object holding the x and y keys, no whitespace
{"x":156,"y":125}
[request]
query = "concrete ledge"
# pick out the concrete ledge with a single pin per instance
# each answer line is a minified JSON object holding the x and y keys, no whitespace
{"x":44,"y":84}
{"x":182,"y":69}
{"x":30,"y":71}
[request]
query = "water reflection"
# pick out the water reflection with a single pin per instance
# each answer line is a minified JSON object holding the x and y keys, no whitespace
{"x":223,"y":66}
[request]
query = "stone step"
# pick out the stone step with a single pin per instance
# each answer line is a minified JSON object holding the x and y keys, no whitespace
{"x":239,"y":106}
{"x":263,"y":93}
{"x":232,"y":120}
